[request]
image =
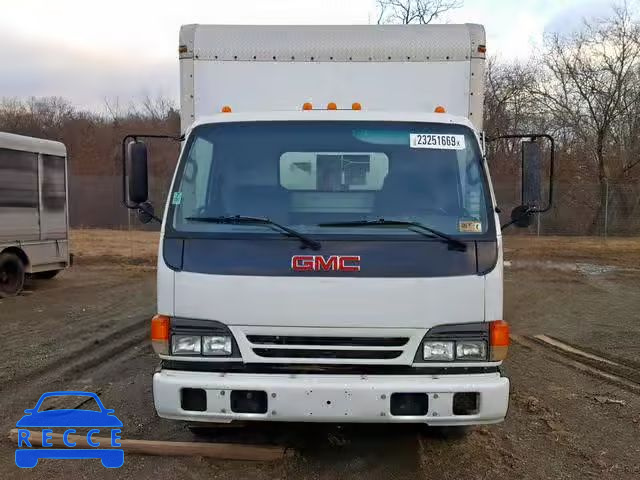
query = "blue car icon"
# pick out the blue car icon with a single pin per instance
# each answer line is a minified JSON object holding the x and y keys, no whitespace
{"x":69,"y":418}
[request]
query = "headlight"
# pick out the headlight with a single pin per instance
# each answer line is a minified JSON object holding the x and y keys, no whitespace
{"x":186,"y":344}
{"x":465,"y":342}
{"x":218,"y":345}
{"x":438,"y":351}
{"x":471,"y":350}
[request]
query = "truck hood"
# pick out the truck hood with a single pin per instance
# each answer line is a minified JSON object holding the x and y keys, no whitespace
{"x":396,"y":284}
{"x":329,"y":301}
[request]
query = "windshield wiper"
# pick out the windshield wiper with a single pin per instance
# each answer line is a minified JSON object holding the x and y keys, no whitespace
{"x":244,"y":220}
{"x":399,"y":223}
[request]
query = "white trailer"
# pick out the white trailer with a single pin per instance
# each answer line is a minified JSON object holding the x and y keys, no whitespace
{"x":331,"y":249}
{"x":34,"y":226}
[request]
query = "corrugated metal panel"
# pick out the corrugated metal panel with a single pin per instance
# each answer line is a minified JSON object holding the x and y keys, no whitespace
{"x":358,"y":43}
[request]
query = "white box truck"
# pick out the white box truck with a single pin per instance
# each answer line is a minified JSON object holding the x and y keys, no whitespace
{"x":330,"y":249}
{"x":34,"y":225}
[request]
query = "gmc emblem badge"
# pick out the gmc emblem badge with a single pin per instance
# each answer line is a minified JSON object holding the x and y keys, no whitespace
{"x":319,"y":263}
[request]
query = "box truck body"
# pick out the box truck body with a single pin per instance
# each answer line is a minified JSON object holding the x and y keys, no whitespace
{"x":409,"y":68}
{"x":34,"y":228}
{"x":330,"y":249}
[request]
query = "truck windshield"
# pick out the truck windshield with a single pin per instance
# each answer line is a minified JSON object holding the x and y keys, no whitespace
{"x":311,"y":176}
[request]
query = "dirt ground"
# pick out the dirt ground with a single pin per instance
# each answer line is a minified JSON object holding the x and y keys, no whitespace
{"x":569,"y":417}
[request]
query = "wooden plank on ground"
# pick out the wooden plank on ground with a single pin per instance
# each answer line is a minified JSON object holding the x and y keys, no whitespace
{"x":226,"y":451}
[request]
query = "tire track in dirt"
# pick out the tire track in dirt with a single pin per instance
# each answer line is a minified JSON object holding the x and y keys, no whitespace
{"x":81,"y":324}
{"x":95,"y":314}
{"x":80,"y":305}
{"x":623,"y":375}
{"x":103,"y":349}
{"x":69,"y":341}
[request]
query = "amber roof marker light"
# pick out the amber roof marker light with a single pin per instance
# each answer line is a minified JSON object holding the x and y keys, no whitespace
{"x":356,"y":106}
{"x":440,"y":109}
{"x":307,"y":106}
{"x":332,"y":106}
{"x":226,"y":109}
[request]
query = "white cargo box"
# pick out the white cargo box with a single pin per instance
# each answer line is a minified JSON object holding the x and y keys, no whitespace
{"x":401,"y":68}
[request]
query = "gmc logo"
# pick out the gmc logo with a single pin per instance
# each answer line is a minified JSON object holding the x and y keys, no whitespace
{"x":319,"y":263}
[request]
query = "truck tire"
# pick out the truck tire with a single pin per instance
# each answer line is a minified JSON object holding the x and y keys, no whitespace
{"x":11,"y":275}
{"x":48,"y":275}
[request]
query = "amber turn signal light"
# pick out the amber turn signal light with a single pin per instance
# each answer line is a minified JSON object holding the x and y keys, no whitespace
{"x":160,"y":334}
{"x":498,"y":340}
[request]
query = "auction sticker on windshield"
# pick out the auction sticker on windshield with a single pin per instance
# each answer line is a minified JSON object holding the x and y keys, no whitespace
{"x":440,"y":141}
{"x":469,"y":226}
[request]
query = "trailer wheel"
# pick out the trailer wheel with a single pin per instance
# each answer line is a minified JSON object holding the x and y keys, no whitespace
{"x":11,"y":275}
{"x":48,"y":275}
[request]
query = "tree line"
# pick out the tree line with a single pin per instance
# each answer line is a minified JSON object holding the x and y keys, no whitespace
{"x":582,"y":87}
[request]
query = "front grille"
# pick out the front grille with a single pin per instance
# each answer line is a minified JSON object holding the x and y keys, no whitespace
{"x":327,"y":347}
{"x":302,"y":353}
{"x":329,"y":341}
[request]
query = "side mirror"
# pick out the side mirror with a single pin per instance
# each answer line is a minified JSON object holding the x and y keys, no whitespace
{"x":138,"y":176}
{"x":146,"y":212}
{"x":521,"y":216}
{"x":531,"y":173}
{"x":531,"y":181}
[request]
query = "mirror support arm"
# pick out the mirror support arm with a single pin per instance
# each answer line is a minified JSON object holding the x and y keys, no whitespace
{"x":152,"y":215}
{"x":527,"y":212}
{"x":135,"y":137}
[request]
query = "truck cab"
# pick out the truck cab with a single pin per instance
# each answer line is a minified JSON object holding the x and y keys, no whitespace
{"x":334,"y":255}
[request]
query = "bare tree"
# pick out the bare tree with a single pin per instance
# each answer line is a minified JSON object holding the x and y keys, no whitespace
{"x":156,"y":108}
{"x":586,"y":83}
{"x":113,"y":109}
{"x":37,"y":116}
{"x":508,"y":104}
{"x":414,"y":11}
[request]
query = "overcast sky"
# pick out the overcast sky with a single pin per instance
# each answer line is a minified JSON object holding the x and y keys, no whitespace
{"x":87,"y":51}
